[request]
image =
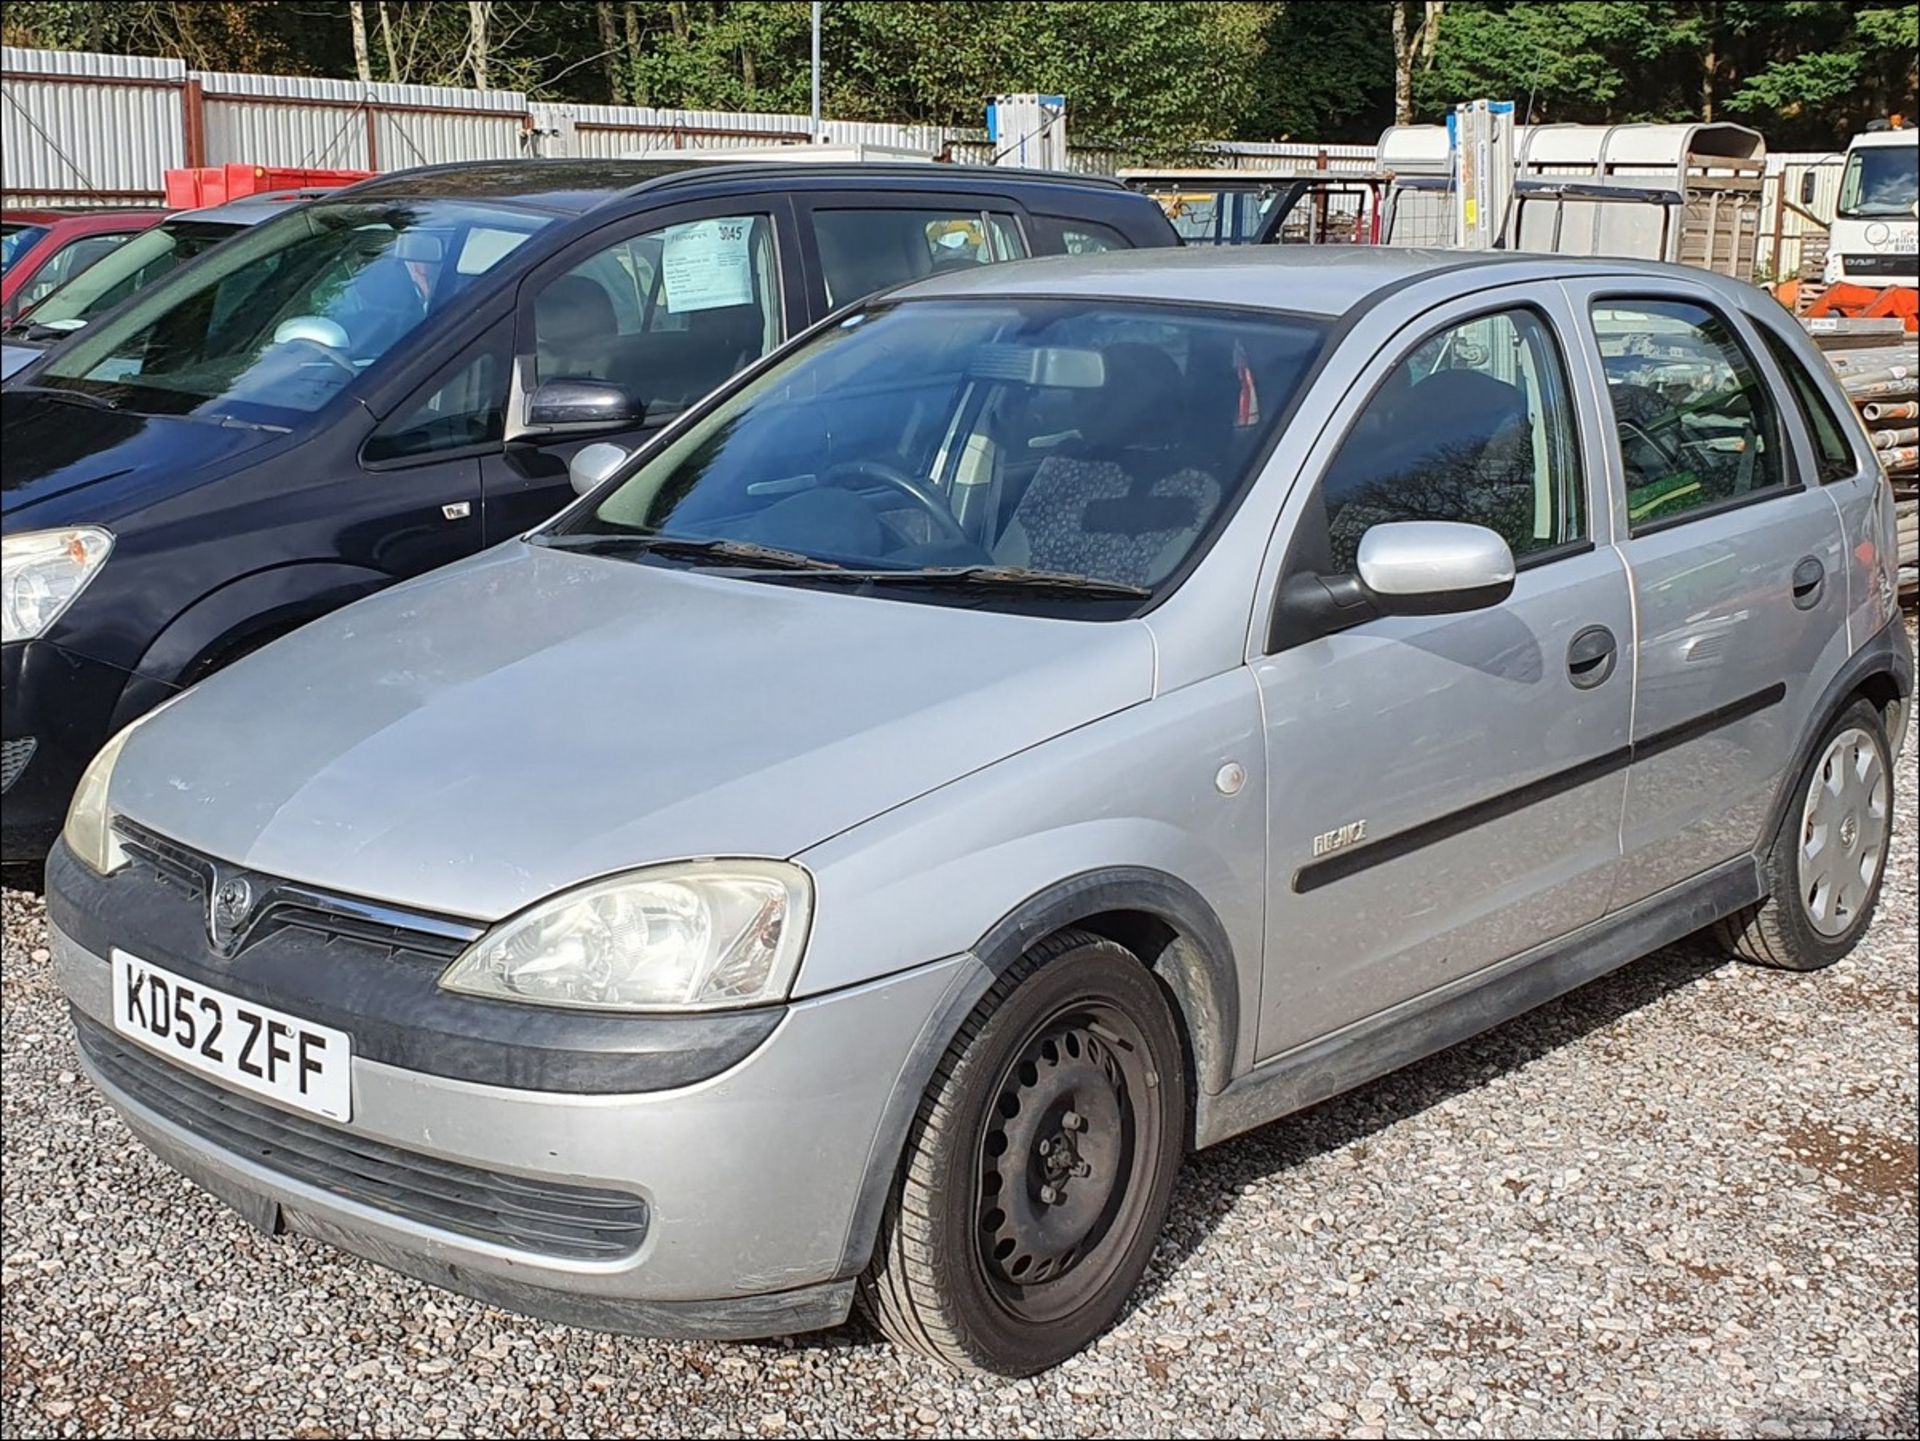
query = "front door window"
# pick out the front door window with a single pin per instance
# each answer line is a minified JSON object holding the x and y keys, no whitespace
{"x":667,"y":314}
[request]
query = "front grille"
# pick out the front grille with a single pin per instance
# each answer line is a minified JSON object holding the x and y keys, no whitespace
{"x":14,"y":755}
{"x":549,"y":1218}
{"x":1880,"y":264}
{"x":287,"y":903}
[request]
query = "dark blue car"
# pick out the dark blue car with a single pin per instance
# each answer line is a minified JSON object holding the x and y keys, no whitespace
{"x":397,"y":375}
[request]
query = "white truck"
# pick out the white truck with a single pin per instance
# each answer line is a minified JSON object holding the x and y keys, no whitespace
{"x":1875,"y":237}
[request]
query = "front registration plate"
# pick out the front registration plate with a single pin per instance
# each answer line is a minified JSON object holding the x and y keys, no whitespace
{"x":247,"y":1045}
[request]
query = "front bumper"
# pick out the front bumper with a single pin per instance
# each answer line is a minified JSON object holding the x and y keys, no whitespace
{"x":56,"y":711}
{"x":757,"y":1186}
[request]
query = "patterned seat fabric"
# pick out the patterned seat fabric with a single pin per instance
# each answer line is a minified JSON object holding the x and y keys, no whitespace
{"x":1086,"y":518}
{"x":1117,"y":506}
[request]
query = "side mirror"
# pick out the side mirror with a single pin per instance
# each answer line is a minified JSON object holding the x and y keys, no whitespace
{"x":575,"y":407}
{"x":1410,"y":567}
{"x":594,"y":464}
{"x":1807,"y":188}
{"x":1434,"y":567}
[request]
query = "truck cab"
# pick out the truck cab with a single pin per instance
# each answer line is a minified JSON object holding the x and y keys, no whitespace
{"x":1875,"y":237}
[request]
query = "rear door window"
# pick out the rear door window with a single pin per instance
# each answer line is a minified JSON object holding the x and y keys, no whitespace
{"x":1697,"y":426}
{"x":1079,"y":237}
{"x":877,"y":247}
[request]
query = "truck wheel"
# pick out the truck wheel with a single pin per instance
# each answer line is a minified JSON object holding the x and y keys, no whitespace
{"x":1823,"y":870}
{"x":1039,"y":1168}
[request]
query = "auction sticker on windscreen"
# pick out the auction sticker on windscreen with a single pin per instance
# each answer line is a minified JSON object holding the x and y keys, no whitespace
{"x":705,"y":264}
{"x":257,"y":1048}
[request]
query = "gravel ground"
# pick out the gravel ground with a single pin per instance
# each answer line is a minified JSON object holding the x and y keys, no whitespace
{"x":1678,"y":1202}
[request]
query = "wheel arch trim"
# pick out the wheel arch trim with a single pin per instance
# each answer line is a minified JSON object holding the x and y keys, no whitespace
{"x":1886,"y":657}
{"x":1197,"y":967}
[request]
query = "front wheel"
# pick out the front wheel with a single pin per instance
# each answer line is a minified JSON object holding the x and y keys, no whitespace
{"x":1040,"y":1165}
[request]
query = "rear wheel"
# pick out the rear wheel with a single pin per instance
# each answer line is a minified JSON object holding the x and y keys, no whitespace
{"x":1040,"y":1166}
{"x":1826,"y":862}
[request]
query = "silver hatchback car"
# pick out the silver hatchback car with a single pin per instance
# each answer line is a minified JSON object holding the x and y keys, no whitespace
{"x":1041,"y":721}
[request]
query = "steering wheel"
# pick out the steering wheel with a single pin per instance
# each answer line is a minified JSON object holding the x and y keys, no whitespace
{"x":915,"y":490}
{"x":326,"y":352}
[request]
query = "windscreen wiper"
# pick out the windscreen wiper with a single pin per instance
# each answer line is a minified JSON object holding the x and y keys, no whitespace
{"x":721,"y":552}
{"x":74,"y":397}
{"x":997,"y":578}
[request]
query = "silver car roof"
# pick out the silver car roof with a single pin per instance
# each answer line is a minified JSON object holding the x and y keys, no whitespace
{"x":252,"y":209}
{"x":1316,"y":280}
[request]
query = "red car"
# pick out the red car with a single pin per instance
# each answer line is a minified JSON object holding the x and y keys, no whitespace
{"x":43,"y":249}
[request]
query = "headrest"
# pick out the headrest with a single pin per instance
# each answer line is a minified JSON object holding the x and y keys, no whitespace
{"x":1142,"y":390}
{"x":573,"y":308}
{"x":1461,"y":407}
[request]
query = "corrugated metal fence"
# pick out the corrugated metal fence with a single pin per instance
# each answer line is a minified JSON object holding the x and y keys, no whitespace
{"x":80,"y":129}
{"x":343,"y":125}
{"x":98,"y":129}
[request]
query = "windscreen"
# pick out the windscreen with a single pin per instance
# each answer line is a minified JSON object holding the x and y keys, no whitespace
{"x":287,"y":316}
{"x":134,"y":266}
{"x":1880,"y":182}
{"x":1097,"y":440}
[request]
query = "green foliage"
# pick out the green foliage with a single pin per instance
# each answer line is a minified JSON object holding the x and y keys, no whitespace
{"x":1862,"y":68}
{"x":1590,"y":61}
{"x":1320,"y":72}
{"x":1152,"y":76}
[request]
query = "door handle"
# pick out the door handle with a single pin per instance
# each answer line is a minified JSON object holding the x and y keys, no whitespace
{"x":1591,"y":656}
{"x":1809,"y":583}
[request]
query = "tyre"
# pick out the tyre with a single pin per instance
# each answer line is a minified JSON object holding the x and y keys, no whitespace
{"x":1037,"y":1174}
{"x":1824,"y":867}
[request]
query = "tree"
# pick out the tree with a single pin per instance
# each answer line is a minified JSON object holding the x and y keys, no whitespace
{"x":1321,"y":72}
{"x":479,"y":23}
{"x":1152,"y":76}
{"x":1412,"y":43}
{"x":362,"y":63}
{"x":1863,"y":69}
{"x":613,"y":57}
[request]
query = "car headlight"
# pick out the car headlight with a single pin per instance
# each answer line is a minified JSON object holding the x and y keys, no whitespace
{"x":691,"y":936}
{"x":88,"y":831}
{"x":42,"y":571}
{"x":89,"y":828}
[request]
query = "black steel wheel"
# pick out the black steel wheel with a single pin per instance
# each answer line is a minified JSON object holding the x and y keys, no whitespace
{"x":1040,"y":1166}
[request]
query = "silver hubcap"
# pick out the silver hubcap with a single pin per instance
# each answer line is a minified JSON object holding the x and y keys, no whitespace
{"x":1842,"y":829}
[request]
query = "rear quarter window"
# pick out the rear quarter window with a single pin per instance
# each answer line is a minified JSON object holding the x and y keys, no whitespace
{"x":1833,"y":457}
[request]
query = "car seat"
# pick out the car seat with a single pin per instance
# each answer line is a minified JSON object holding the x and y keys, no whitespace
{"x":575,"y":329}
{"x":1122,"y":505}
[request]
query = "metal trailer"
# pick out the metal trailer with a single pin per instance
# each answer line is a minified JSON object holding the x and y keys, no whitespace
{"x":1685,"y":193}
{"x":1253,"y":206}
